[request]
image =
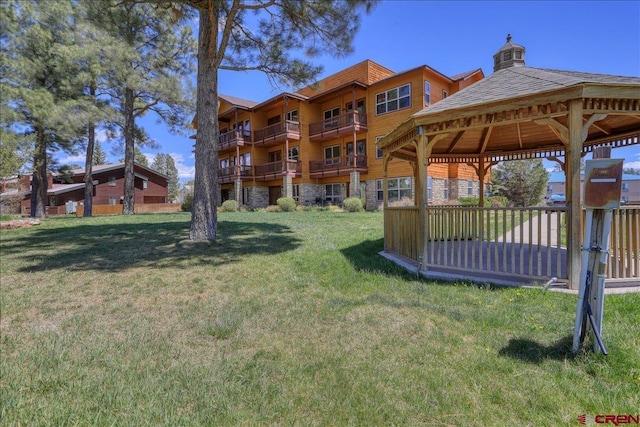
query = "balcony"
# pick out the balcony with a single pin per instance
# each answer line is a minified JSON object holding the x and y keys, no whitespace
{"x":344,"y":123}
{"x":233,"y":138}
{"x":337,"y":166}
{"x":277,"y":133}
{"x":233,"y":173}
{"x":275,"y":170}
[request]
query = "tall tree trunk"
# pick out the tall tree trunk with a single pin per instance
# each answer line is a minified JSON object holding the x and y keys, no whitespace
{"x":39,"y":183}
{"x":129,"y":153}
{"x":88,"y":163}
{"x":204,"y":217}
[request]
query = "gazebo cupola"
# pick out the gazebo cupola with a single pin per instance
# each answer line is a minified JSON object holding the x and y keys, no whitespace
{"x":509,"y":55}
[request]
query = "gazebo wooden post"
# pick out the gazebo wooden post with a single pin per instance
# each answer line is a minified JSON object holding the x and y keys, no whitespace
{"x":573,"y":197}
{"x":481,"y":173}
{"x":422,"y":160}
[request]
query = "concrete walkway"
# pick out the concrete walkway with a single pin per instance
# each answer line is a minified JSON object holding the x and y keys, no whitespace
{"x":534,"y":226}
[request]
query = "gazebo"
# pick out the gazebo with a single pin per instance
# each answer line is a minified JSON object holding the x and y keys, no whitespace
{"x":518,"y":112}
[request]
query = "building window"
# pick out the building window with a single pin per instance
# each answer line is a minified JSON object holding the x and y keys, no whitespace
{"x":427,"y":94}
{"x":444,"y":94}
{"x":245,"y":159}
{"x":246,"y":129}
{"x":379,"y":153}
{"x":549,"y":188}
{"x":360,"y":106}
{"x":507,"y":56}
{"x":332,"y":152}
{"x":399,"y":188}
{"x":275,"y":156}
{"x":379,"y":190}
{"x":393,"y":99}
{"x":112,"y":200}
{"x":429,"y":188}
{"x":332,"y":193}
{"x":469,"y":188}
{"x":625,"y":186}
{"x":294,"y":153}
{"x":145,"y":184}
{"x":331,"y":118}
{"x":362,"y":147}
{"x":446,"y":190}
{"x":112,"y":181}
{"x":224,"y":163}
{"x":296,"y":192}
{"x":292,"y":116}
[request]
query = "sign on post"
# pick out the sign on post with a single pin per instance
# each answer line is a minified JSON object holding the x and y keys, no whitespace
{"x":602,"y":191}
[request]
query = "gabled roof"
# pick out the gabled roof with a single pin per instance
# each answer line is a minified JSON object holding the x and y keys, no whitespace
{"x":115,"y":166}
{"x":466,"y":74}
{"x":238,"y":102}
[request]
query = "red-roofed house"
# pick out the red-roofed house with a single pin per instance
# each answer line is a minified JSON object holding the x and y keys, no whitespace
{"x":108,"y":188}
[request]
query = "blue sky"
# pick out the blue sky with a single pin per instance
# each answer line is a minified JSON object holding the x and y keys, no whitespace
{"x":457,"y":36}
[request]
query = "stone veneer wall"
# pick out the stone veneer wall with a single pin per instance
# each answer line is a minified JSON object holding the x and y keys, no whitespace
{"x":258,"y":197}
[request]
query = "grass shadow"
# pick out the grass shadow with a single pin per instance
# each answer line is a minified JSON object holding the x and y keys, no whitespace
{"x":365,"y":256}
{"x":124,"y":244}
{"x":530,"y":351}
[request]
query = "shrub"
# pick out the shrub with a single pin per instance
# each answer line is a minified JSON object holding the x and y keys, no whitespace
{"x":497,"y":202}
{"x":229,"y":206}
{"x":273,"y":208}
{"x":352,"y":204}
{"x":187,"y":203}
{"x":469,"y":201}
{"x":286,"y":204}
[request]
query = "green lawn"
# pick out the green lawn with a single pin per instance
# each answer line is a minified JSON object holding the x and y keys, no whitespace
{"x":288,"y":319}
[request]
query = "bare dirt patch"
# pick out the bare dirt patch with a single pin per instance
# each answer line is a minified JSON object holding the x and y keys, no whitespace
{"x":19,"y":223}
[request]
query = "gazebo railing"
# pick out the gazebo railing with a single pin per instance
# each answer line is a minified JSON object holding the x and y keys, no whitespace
{"x":525,"y":243}
{"x":514,"y":242}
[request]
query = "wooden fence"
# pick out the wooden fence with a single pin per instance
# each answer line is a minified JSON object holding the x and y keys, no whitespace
{"x":97,"y":210}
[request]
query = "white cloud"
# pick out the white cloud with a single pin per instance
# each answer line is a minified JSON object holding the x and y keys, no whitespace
{"x":633,"y":165}
{"x":78,"y":159}
{"x":184,"y":170}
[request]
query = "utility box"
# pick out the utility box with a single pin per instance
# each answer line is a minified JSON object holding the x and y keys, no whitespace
{"x":603,"y":183}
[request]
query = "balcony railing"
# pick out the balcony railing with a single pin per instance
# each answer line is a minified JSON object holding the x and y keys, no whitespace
{"x":233,"y":173}
{"x":233,"y":138}
{"x":273,"y":170}
{"x":277,"y":132}
{"x":343,"y":123}
{"x":335,"y":166}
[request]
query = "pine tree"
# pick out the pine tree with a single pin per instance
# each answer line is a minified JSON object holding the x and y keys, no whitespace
{"x":37,"y":95}
{"x":99,"y":156}
{"x":522,"y":182}
{"x":166,"y":165}
{"x":158,"y":60}
{"x":246,"y":35}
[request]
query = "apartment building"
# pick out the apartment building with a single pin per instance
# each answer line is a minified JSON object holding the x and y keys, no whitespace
{"x":318,"y":144}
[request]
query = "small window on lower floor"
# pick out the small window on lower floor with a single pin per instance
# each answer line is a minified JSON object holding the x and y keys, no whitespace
{"x":112,"y":200}
{"x":332,"y":193}
{"x":296,"y":192}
